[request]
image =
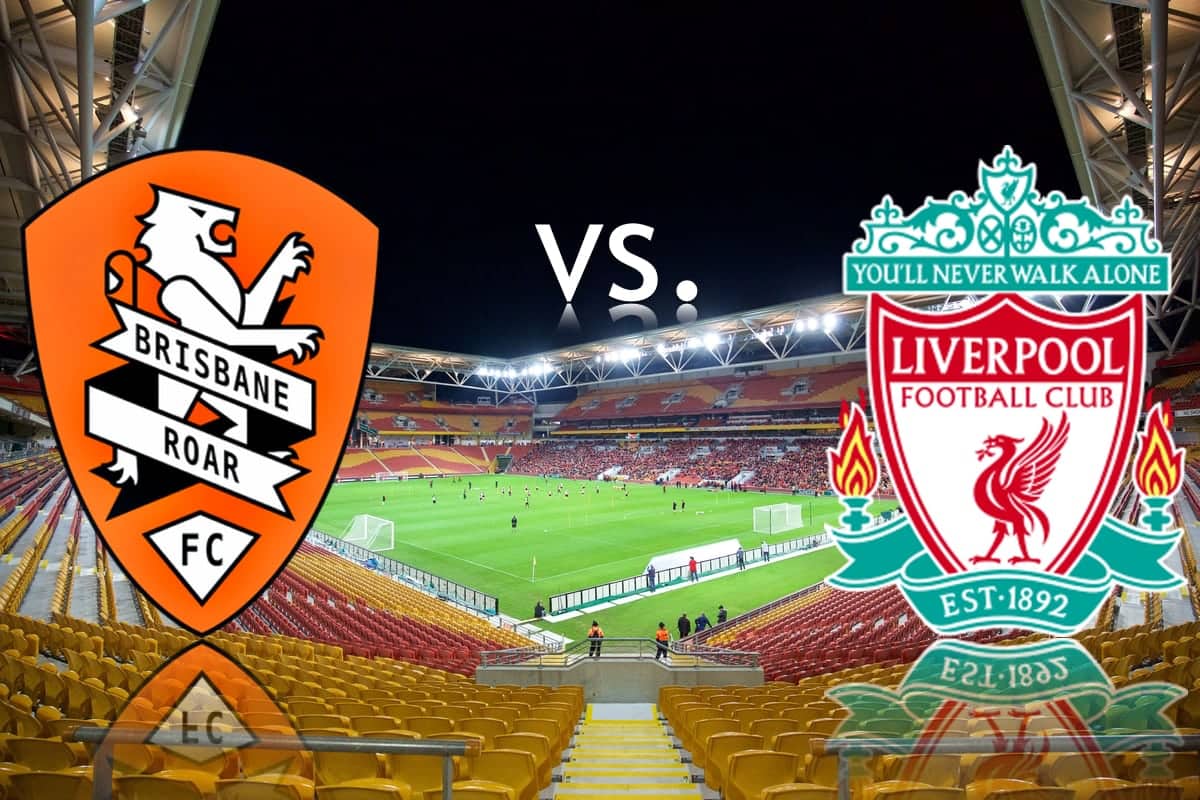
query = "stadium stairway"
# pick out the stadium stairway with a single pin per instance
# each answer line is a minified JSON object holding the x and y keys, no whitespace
{"x":127,"y":607}
{"x":37,"y":601}
{"x":85,"y":597}
{"x":623,"y":750}
{"x":26,"y":537}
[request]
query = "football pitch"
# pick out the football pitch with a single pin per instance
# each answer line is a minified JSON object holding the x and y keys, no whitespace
{"x":594,"y":535}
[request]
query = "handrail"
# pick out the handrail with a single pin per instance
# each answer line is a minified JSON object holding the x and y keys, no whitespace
{"x":107,"y":738}
{"x":845,"y":748}
{"x":611,"y":648}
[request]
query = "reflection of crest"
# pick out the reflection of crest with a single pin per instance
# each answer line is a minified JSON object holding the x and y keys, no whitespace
{"x":1017,"y":697}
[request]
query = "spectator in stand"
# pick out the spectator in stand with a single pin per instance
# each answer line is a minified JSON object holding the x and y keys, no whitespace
{"x":684,"y":624}
{"x":595,"y":633}
{"x":692,"y":567}
{"x":661,"y":638}
{"x":702,"y":622}
{"x":722,"y":615}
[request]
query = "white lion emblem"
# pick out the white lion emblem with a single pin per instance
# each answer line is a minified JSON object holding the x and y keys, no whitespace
{"x":201,"y":291}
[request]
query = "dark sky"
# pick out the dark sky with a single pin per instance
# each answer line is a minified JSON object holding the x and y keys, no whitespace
{"x":753,"y":138}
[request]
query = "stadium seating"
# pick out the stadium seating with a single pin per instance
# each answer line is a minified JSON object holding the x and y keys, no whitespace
{"x":821,"y":629}
{"x":776,"y":391}
{"x":322,"y":597}
{"x":430,"y":460}
{"x":778,"y":464}
{"x":320,"y":687}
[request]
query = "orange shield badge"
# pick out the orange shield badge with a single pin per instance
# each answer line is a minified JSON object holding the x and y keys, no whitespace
{"x":201,"y":322}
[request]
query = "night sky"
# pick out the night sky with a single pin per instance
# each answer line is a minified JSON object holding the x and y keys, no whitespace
{"x":752,"y":138}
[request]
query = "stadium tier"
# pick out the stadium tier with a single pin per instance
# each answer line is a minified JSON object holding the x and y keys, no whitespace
{"x":752,"y":463}
{"x":822,"y":629}
{"x":429,"y":460}
{"x":323,"y":598}
{"x":784,"y":390}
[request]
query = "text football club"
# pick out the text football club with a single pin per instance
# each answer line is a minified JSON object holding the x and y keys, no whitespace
{"x":201,"y":378}
{"x":1007,"y":427}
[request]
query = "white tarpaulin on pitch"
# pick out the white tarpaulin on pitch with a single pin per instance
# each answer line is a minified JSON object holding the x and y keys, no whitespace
{"x":701,"y":553}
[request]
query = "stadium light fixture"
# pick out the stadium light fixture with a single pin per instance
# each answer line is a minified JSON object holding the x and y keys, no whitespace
{"x":661,"y":348}
{"x":812,"y":323}
{"x":693,"y":343}
{"x":829,"y":322}
{"x":711,"y":340}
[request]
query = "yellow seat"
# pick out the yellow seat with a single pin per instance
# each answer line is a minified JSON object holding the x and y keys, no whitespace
{"x":1086,"y":789}
{"x":716,"y":756}
{"x":423,"y":774}
{"x":427,"y":726}
{"x":919,"y":793}
{"x":1063,"y":769}
{"x":299,"y":785}
{"x":1021,"y":766}
{"x":331,"y":768}
{"x":514,"y":768}
{"x":56,"y":785}
{"x":379,"y":791}
{"x":1032,"y":793}
{"x":375,"y":723}
{"x":235,"y":789}
{"x":773,"y":727}
{"x":751,"y":771}
{"x":706,"y":728}
{"x":799,"y":791}
{"x":932,"y":770}
{"x":981,"y":790}
{"x":547,"y":728}
{"x":536,"y":745}
{"x":482,"y":790}
{"x":487,"y":727}
{"x":43,"y":755}
{"x":155,"y":787}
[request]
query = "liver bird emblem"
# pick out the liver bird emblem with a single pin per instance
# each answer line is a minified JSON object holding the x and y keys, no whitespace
{"x":1009,"y":487}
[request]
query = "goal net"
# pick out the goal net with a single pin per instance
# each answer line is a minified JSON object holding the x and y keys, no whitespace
{"x":386,"y":476}
{"x":778,"y":518}
{"x":374,"y":533}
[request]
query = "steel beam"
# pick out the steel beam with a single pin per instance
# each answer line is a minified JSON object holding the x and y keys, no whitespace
{"x":85,"y":46}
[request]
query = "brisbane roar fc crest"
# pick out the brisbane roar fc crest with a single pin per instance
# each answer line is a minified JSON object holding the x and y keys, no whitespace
{"x":1007,"y":426}
{"x":201,"y":324}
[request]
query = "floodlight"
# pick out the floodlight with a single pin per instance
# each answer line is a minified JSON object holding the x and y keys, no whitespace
{"x":711,"y":340}
{"x":829,"y":322}
{"x":812,"y":323}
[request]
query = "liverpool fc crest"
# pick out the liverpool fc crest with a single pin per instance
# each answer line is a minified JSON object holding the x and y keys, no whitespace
{"x":1007,"y":427}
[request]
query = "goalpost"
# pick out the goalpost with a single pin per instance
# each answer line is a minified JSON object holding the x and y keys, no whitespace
{"x":374,"y":533}
{"x":778,"y":518}
{"x":386,"y":476}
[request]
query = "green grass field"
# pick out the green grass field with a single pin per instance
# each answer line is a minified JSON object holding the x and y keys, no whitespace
{"x":580,"y":541}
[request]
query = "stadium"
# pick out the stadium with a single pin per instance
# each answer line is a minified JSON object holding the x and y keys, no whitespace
{"x":488,"y":511}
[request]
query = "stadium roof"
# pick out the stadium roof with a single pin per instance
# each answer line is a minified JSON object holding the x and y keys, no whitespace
{"x":819,"y":329}
{"x":136,"y":59}
{"x":1125,"y":79}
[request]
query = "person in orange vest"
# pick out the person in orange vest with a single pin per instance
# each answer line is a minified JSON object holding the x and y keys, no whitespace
{"x":595,"y":634}
{"x":661,"y":638}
